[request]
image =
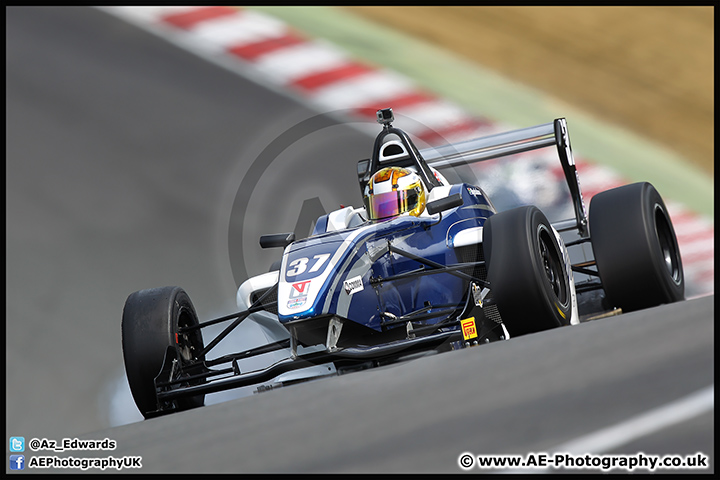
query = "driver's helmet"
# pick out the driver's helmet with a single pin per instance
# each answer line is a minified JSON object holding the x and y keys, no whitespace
{"x":393,"y":191}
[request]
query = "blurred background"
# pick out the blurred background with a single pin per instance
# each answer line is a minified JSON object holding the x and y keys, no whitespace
{"x":124,"y":155}
{"x":649,"y":69}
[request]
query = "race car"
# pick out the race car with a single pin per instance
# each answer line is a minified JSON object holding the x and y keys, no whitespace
{"x":423,"y":265}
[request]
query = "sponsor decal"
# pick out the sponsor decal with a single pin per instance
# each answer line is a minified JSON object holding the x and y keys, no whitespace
{"x":468,"y":328}
{"x":353,"y":285}
{"x":474,"y":191}
{"x":298,"y":294}
{"x":300,"y":289}
{"x":296,"y":302}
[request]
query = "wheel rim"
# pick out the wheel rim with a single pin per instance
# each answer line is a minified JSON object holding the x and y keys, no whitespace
{"x":668,"y":245}
{"x":187,"y":342}
{"x":552,"y":266}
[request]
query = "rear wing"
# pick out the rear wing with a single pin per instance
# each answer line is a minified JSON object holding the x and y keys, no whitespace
{"x":510,"y":143}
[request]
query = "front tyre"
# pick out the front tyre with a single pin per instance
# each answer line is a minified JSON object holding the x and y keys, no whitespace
{"x":527,"y":271}
{"x":150,"y":325}
{"x":635,"y":247}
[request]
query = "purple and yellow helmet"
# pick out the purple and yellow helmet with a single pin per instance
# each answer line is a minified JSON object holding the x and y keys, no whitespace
{"x":394,"y":191}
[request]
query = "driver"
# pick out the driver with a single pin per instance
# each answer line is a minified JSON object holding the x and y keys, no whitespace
{"x":394,"y":191}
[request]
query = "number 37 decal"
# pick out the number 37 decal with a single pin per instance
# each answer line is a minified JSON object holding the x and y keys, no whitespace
{"x":299,"y":265}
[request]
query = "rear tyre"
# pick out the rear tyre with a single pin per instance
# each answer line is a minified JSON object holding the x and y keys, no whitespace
{"x":527,"y":271}
{"x":635,"y":247}
{"x":150,"y":323}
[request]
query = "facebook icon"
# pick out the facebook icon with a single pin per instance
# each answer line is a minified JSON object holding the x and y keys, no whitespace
{"x":17,"y":462}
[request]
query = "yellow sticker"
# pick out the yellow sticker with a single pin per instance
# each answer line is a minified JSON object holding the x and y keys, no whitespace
{"x":468,"y":328}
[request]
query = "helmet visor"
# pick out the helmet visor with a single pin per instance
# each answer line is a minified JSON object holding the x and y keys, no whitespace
{"x":390,"y":204}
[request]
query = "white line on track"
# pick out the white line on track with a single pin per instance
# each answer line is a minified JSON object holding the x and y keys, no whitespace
{"x":606,"y":439}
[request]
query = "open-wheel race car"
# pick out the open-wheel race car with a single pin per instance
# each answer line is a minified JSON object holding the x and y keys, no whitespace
{"x":424,"y":265}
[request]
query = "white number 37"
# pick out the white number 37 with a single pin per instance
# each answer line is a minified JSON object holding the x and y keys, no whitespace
{"x":299,"y":265}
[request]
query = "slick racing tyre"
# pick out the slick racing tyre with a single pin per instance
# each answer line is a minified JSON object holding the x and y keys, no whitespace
{"x":635,"y":247}
{"x":527,"y":271}
{"x":150,"y":323}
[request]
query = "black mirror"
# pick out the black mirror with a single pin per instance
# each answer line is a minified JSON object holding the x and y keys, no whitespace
{"x":277,"y":240}
{"x":443,"y":204}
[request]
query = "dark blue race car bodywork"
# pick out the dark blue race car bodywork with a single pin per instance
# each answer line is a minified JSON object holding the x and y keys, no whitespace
{"x":360,"y":293}
{"x":370,"y":274}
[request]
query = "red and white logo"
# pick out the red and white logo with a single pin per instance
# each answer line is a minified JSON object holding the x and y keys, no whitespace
{"x":300,"y":289}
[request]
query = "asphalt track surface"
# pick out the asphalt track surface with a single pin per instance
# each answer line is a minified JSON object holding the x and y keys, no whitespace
{"x":124,"y":159}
